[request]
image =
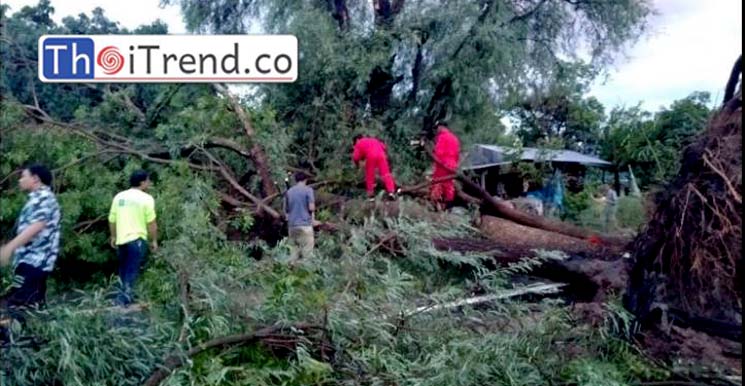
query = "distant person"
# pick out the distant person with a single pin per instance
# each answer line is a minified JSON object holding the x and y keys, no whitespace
{"x":375,"y":154}
{"x":447,"y":153}
{"x":532,"y":199}
{"x":611,"y":207}
{"x":35,"y":247}
{"x":132,"y":222}
{"x":299,"y":207}
{"x":554,"y":195}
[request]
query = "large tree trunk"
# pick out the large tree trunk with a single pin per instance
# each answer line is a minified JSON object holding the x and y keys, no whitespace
{"x":340,"y":13}
{"x":382,"y":78}
{"x":386,"y":11}
{"x":592,"y":272}
{"x":505,"y":210}
{"x":380,"y":87}
{"x":416,"y":70}
{"x":438,"y":107}
{"x":525,"y":238}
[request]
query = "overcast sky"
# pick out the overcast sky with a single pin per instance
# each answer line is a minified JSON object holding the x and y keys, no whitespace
{"x":692,"y":46}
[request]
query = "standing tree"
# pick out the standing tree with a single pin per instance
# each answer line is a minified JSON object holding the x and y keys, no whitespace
{"x":557,"y":110}
{"x":394,"y":67}
{"x":652,"y":143}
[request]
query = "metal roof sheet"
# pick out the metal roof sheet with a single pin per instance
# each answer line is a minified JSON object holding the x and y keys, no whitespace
{"x":484,"y":156}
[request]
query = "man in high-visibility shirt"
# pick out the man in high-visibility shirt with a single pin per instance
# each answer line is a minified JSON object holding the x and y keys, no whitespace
{"x":131,"y":221}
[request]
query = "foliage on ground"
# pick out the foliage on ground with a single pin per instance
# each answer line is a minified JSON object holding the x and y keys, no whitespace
{"x":362,"y":296}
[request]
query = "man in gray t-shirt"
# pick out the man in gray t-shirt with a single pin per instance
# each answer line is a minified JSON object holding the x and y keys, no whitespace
{"x":299,"y":206}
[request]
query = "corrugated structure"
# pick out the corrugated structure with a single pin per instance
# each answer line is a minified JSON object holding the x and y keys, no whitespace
{"x":486,"y":156}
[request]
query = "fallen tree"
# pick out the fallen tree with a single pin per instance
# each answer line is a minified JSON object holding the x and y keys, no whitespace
{"x":519,"y":237}
{"x":688,"y":260}
{"x":507,"y":211}
{"x":591,"y":271}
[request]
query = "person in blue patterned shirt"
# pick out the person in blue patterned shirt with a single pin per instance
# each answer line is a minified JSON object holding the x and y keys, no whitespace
{"x":35,"y":247}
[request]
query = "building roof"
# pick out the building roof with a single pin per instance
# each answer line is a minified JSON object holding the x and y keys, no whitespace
{"x":485,"y":156}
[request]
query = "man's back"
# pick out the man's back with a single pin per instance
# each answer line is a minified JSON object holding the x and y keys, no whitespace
{"x":447,"y":145}
{"x":298,"y":198}
{"x":367,"y":147}
{"x":611,"y":197}
{"x":132,"y":210}
{"x":42,"y":250}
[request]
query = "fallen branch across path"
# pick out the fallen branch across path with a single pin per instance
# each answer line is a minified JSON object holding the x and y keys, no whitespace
{"x":538,"y":288}
{"x":426,"y":184}
{"x":176,"y":360}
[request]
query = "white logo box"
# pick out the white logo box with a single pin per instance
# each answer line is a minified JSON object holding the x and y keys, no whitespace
{"x":168,"y":58}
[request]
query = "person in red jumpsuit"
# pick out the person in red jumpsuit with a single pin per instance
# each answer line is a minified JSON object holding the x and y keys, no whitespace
{"x":447,"y":152}
{"x":374,"y":153}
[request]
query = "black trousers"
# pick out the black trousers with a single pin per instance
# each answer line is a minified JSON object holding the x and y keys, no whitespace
{"x":29,"y":287}
{"x":131,"y":259}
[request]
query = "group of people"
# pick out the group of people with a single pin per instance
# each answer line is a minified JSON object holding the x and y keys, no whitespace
{"x":133,"y":227}
{"x":446,"y":155}
{"x":34,"y":249}
{"x":299,"y":202}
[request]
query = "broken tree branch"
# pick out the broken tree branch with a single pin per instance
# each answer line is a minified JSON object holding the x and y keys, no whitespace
{"x":538,"y":288}
{"x":257,"y":153}
{"x":184,"y":295}
{"x":384,"y":240}
{"x":426,"y":184}
{"x":85,"y":225}
{"x":228,"y":176}
{"x":176,"y":360}
{"x":113,"y":147}
{"x":230,"y":200}
{"x":504,"y":209}
{"x":227,"y":144}
{"x":729,"y":89}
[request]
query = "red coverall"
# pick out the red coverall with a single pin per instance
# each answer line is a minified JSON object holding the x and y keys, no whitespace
{"x":373,"y":152}
{"x":447,"y":151}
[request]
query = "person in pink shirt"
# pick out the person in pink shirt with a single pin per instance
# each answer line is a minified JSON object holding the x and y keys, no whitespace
{"x":375,"y":154}
{"x":447,"y":152}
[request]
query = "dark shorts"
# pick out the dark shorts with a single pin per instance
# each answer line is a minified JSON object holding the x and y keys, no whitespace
{"x":29,"y":287}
